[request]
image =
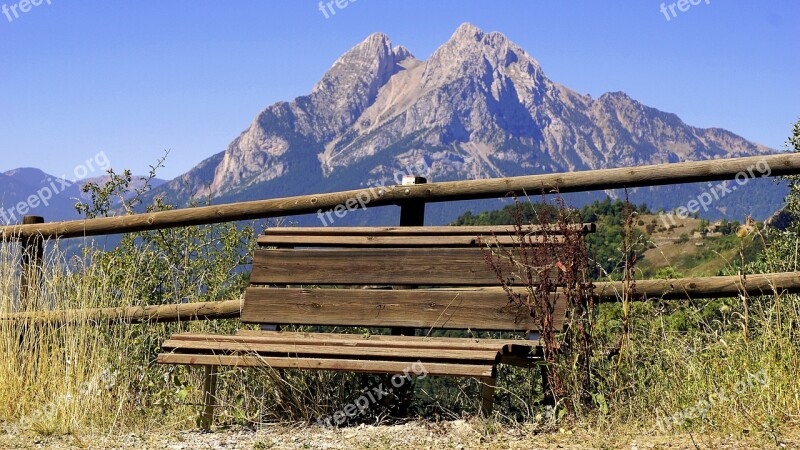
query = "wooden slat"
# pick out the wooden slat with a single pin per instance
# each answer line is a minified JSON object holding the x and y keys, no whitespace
{"x":357,"y":340}
{"x":402,"y":241}
{"x":395,"y":266}
{"x":415,"y":308}
{"x":390,"y":367}
{"x":275,"y":349}
{"x":425,"y":231}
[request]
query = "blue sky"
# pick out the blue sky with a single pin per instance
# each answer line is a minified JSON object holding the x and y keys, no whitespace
{"x":132,"y":78}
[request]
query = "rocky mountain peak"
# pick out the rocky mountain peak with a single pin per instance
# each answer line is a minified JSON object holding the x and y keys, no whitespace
{"x":479,"y":106}
{"x":352,"y":84}
{"x":401,"y":53}
{"x":470,"y":52}
{"x":372,"y":59}
{"x":467,"y":32}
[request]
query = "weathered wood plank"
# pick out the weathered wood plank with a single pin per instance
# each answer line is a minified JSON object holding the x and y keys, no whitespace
{"x":364,"y":266}
{"x":279,"y":349}
{"x":480,"y":230}
{"x":403,"y":241}
{"x":389,"y":367}
{"x":704,"y":287}
{"x":415,"y":308}
{"x":357,"y":340}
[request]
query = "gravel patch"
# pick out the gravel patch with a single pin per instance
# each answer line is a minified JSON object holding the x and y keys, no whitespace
{"x":457,"y":435}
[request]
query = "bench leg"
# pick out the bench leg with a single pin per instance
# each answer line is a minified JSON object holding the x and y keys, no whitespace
{"x":547,"y":387}
{"x":405,"y":393}
{"x":488,"y":386}
{"x":209,"y":397}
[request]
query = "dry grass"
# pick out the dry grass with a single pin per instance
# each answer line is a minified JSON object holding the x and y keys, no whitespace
{"x":63,"y":379}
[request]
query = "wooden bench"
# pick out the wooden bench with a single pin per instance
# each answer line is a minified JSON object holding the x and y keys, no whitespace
{"x":402,"y":278}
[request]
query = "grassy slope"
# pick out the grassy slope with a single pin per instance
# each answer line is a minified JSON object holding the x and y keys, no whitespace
{"x":697,"y":256}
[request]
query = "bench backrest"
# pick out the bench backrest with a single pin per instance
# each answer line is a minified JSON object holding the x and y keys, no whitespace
{"x":458,"y":288}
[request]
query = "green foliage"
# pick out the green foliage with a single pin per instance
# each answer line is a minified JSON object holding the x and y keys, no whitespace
{"x":202,"y":263}
{"x":605,"y":246}
{"x":680,"y":353}
{"x":781,"y":255}
{"x":530,"y":214}
{"x":683,"y":353}
{"x":667,"y":273}
{"x":613,"y":211}
{"x":188,"y":264}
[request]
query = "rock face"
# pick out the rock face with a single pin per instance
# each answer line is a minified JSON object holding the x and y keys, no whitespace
{"x":480,"y":106}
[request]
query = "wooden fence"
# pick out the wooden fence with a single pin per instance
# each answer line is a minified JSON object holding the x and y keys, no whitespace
{"x":33,"y":231}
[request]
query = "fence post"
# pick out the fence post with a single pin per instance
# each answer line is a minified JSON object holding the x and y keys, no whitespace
{"x":32,"y":262}
{"x":209,"y":398}
{"x":412,"y":214}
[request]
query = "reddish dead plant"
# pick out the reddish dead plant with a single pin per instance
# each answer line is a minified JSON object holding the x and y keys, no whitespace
{"x":549,"y":257}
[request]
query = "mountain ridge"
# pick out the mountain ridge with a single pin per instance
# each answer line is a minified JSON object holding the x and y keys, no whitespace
{"x":31,"y":191}
{"x":479,"y":106}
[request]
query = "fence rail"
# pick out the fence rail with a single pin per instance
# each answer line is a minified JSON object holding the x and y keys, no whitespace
{"x":705,"y":287}
{"x":183,"y":312}
{"x":627,"y":177}
{"x":604,"y":292}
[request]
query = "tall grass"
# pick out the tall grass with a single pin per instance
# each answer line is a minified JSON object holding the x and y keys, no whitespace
{"x":57,"y":379}
{"x":724,"y":365}
{"x":98,"y":377}
{"x":61,"y":378}
{"x":737,"y":382}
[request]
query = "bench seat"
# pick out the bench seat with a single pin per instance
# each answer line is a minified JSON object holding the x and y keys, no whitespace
{"x":456,"y":357}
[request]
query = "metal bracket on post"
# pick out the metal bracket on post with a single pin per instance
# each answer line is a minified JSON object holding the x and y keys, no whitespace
{"x":412,"y":214}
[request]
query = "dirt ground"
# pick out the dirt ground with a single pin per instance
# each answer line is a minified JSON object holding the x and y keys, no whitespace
{"x":416,"y":435}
